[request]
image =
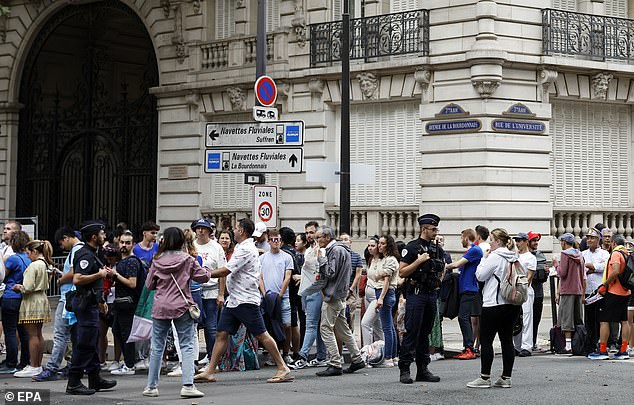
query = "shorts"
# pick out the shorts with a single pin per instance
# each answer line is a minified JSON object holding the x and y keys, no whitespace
{"x":630,"y":304}
{"x":248,"y":314}
{"x":570,"y":312}
{"x":476,"y":307}
{"x":286,"y":311}
{"x":296,"y":306}
{"x":614,"y":308}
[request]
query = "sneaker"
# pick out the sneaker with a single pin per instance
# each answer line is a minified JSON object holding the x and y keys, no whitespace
{"x":103,"y":365}
{"x":435,"y":357}
{"x":63,"y":373}
{"x":525,"y":353}
{"x":176,"y":372}
{"x":204,"y":361}
{"x":115,"y":365}
{"x":151,"y":392}
{"x":287,"y":359}
{"x":142,"y":365}
{"x":630,"y":351}
{"x":7,"y":370}
{"x":317,"y":363}
{"x":191,"y":392}
{"x":45,"y":375}
{"x":613,"y":349}
{"x":621,"y":356}
{"x":467,"y":354}
{"x":269,"y":360}
{"x":480,"y":383}
{"x":385,"y":364}
{"x":502,"y":383}
{"x":3,"y":349}
{"x":298,"y":364}
{"x":599,"y":356}
{"x":28,"y":371}
{"x":123,"y":371}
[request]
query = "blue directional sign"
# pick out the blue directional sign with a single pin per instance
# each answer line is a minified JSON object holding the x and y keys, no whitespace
{"x":519,"y":109}
{"x":520,"y":127}
{"x":453,"y":127}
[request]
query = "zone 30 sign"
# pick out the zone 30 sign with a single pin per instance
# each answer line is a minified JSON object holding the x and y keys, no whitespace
{"x":265,"y":205}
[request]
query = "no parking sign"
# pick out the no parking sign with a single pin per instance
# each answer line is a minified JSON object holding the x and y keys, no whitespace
{"x":265,"y":205}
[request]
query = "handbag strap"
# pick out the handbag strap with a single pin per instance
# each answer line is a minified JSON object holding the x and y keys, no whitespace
{"x":179,"y":289}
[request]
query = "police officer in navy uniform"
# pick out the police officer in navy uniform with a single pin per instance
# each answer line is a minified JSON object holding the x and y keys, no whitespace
{"x":422,"y":264}
{"x":87,"y":303}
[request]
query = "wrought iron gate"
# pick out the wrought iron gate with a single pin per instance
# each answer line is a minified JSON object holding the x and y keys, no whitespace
{"x":95,"y":156}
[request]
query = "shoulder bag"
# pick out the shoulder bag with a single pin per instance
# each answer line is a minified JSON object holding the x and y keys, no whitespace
{"x":193,"y":309}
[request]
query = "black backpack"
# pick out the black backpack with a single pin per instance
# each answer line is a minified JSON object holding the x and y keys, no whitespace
{"x":626,"y":276}
{"x":141,"y":276}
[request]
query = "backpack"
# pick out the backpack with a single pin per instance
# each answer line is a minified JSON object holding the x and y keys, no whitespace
{"x":141,"y":275}
{"x":514,"y":284}
{"x":450,"y":301}
{"x":626,"y":276}
{"x":541,"y":274}
{"x":581,"y":344}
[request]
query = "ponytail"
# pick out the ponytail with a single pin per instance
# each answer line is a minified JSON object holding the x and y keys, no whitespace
{"x":501,"y":235}
{"x":43,"y":247}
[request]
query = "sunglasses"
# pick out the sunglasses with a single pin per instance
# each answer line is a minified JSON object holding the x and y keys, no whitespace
{"x":275,"y":239}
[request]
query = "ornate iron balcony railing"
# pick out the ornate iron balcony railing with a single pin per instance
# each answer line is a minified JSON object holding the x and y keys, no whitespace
{"x":594,"y":36}
{"x":372,"y":37}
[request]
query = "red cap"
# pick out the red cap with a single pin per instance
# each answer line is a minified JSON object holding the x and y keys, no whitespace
{"x":532,"y":235}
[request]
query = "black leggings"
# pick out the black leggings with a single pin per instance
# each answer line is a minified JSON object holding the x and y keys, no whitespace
{"x":498,"y":320}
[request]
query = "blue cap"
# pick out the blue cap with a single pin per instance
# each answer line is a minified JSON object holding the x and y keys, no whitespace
{"x":521,"y":236}
{"x":203,"y":223}
{"x":568,"y":238}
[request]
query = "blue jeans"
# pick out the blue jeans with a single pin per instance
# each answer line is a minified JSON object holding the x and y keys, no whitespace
{"x":185,"y":328}
{"x":61,"y":338}
{"x":10,"y":316}
{"x":387,"y":323}
{"x":312,"y":307}
{"x":210,"y":308}
{"x":464,"y":318}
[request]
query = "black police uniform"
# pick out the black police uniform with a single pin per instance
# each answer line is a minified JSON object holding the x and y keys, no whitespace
{"x":85,"y":305}
{"x":420,"y":310}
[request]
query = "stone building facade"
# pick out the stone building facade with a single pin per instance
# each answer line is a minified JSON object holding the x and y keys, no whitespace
{"x":512,"y":113}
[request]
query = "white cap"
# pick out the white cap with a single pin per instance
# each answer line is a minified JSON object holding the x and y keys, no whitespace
{"x":260,"y":228}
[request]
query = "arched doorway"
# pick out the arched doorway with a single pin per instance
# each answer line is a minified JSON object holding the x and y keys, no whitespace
{"x":87,"y":143}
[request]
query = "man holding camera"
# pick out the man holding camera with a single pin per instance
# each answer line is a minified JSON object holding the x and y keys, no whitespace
{"x":421,"y":265}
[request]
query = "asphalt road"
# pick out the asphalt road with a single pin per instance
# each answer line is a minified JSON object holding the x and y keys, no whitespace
{"x":539,"y":379}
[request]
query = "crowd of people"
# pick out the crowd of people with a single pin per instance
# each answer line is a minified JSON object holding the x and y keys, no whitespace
{"x":251,"y":287}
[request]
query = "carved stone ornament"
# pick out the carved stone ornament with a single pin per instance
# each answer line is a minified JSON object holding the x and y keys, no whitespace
{"x":369,"y":84}
{"x":283,"y":88}
{"x":600,"y":85}
{"x":316,"y":86}
{"x":166,"y":7}
{"x":178,"y":37}
{"x":299,"y":25}
{"x":546,"y":79}
{"x":485,"y":87}
{"x":237,"y":97}
{"x":240,"y":3}
{"x":3,"y":28}
{"x":193,"y":99}
{"x":422,"y":77}
{"x":196,"y":6}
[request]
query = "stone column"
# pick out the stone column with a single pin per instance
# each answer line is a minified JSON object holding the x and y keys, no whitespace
{"x":9,"y":119}
{"x":486,"y":144}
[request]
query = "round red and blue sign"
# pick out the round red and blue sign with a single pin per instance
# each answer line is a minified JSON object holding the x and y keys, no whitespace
{"x":265,"y":91}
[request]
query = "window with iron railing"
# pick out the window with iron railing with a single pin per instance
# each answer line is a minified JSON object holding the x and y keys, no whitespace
{"x":371,"y":37}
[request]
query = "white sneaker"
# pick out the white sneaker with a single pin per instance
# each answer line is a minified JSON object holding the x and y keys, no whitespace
{"x":204,"y":361}
{"x":177,"y":372}
{"x":151,"y":392}
{"x":142,"y":365}
{"x":317,"y":363}
{"x":502,"y":383}
{"x":191,"y":392}
{"x":385,"y":364}
{"x":479,"y":383}
{"x":288,"y":359}
{"x":115,"y":365}
{"x":28,"y":371}
{"x":123,"y":371}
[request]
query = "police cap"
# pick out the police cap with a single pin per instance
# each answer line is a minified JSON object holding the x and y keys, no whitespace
{"x":428,"y":219}
{"x":90,"y":228}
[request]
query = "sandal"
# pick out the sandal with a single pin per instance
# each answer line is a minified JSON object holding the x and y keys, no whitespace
{"x":200,"y":378}
{"x":281,"y":378}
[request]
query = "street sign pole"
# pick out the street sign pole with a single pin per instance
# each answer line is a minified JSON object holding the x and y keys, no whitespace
{"x":260,"y":47}
{"x":344,"y":196}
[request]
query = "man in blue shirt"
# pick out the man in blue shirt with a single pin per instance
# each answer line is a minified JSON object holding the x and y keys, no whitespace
{"x":68,"y":241}
{"x":468,"y":288}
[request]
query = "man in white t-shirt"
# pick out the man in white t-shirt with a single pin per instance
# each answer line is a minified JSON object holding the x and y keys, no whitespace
{"x":524,"y":341}
{"x":277,"y":269}
{"x":595,"y":260}
{"x":213,"y":291}
{"x":243,"y":305}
